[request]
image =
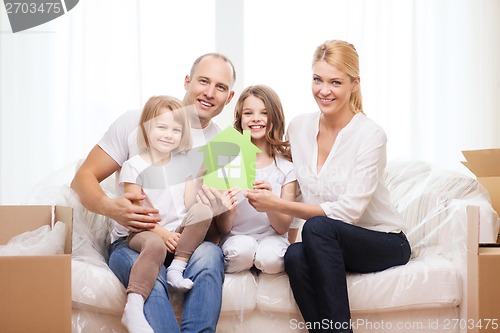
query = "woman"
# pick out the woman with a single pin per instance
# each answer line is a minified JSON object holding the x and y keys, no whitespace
{"x":339,"y":156}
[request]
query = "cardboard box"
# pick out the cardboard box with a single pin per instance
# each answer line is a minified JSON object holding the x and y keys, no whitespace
{"x":483,"y":270}
{"x":483,"y":260}
{"x":35,"y":291}
{"x":485,"y":164}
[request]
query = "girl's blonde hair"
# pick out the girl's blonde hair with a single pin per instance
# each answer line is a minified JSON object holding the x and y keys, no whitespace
{"x":275,"y":128}
{"x":153,"y":108}
{"x":343,"y":56}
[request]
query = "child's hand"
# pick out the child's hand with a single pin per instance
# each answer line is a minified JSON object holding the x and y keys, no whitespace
{"x":228,"y":199}
{"x":201,"y":172}
{"x":171,"y":240}
{"x":262,"y":185}
{"x":217,"y":201}
{"x":211,"y":197}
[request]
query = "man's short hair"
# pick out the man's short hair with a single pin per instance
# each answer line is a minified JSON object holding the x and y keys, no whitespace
{"x":215,"y":55}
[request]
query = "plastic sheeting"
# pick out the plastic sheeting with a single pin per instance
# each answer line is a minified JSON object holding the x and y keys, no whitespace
{"x":45,"y":240}
{"x":432,"y":202}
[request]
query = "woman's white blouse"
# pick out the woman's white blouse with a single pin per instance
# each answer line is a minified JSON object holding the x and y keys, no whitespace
{"x":350,"y":186}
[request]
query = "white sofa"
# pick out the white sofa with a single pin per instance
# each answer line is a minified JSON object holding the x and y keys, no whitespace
{"x":426,"y":295}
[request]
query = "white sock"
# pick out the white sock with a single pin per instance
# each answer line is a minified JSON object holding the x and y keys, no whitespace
{"x":133,"y":316}
{"x":175,"y":279}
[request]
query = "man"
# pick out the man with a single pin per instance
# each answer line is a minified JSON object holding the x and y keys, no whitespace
{"x":209,"y":88}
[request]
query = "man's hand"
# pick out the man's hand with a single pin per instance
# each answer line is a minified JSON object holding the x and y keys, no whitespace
{"x":133,"y":217}
{"x":97,"y":167}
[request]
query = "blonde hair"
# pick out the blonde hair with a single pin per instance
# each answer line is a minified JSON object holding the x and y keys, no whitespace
{"x":275,"y":128}
{"x":153,"y":108}
{"x":343,"y":56}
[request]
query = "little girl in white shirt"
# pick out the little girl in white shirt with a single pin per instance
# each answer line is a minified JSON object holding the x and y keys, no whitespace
{"x":162,"y":173}
{"x":252,"y":238}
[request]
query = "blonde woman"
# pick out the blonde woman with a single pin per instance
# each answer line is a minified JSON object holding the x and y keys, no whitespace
{"x":339,"y":155}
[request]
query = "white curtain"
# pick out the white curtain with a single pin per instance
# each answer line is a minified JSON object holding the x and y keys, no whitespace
{"x":429,"y":71}
{"x":64,"y":82}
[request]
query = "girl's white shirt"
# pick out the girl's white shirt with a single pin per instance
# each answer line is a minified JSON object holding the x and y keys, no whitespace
{"x":163,"y":185}
{"x":120,"y":143}
{"x":247,"y":220}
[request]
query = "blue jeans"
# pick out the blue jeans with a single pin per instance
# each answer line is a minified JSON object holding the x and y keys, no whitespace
{"x":202,"y":303}
{"x":317,"y":267}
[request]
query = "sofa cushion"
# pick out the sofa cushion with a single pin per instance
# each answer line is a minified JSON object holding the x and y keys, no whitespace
{"x":431,"y":200}
{"x":274,"y":294}
{"x":239,"y":292}
{"x":432,"y":203}
{"x":96,"y":288}
{"x":425,"y":282}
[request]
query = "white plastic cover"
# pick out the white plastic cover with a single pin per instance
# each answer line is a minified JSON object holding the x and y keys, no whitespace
{"x":42,"y":241}
{"x":432,"y":202}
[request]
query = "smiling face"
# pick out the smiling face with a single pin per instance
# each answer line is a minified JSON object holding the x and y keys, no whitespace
{"x":332,"y":89}
{"x":254,"y":117}
{"x":209,"y":88}
{"x":164,"y":134}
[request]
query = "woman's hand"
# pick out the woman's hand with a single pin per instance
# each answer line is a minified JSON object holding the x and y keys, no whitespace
{"x":262,"y":200}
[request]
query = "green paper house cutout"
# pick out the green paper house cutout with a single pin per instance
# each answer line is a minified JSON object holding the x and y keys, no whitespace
{"x":230,"y":159}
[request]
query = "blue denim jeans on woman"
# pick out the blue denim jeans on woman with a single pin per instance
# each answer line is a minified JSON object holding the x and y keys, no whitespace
{"x":317,"y":267}
{"x":202,"y":303}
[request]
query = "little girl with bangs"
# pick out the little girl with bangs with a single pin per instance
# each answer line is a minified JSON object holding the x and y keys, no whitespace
{"x":251,"y":238}
{"x":161,"y":172}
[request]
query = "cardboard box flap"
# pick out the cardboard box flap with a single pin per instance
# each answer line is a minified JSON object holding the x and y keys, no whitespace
{"x":484,"y":162}
{"x":65,"y":214}
{"x":18,"y":219}
{"x":35,"y":289}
